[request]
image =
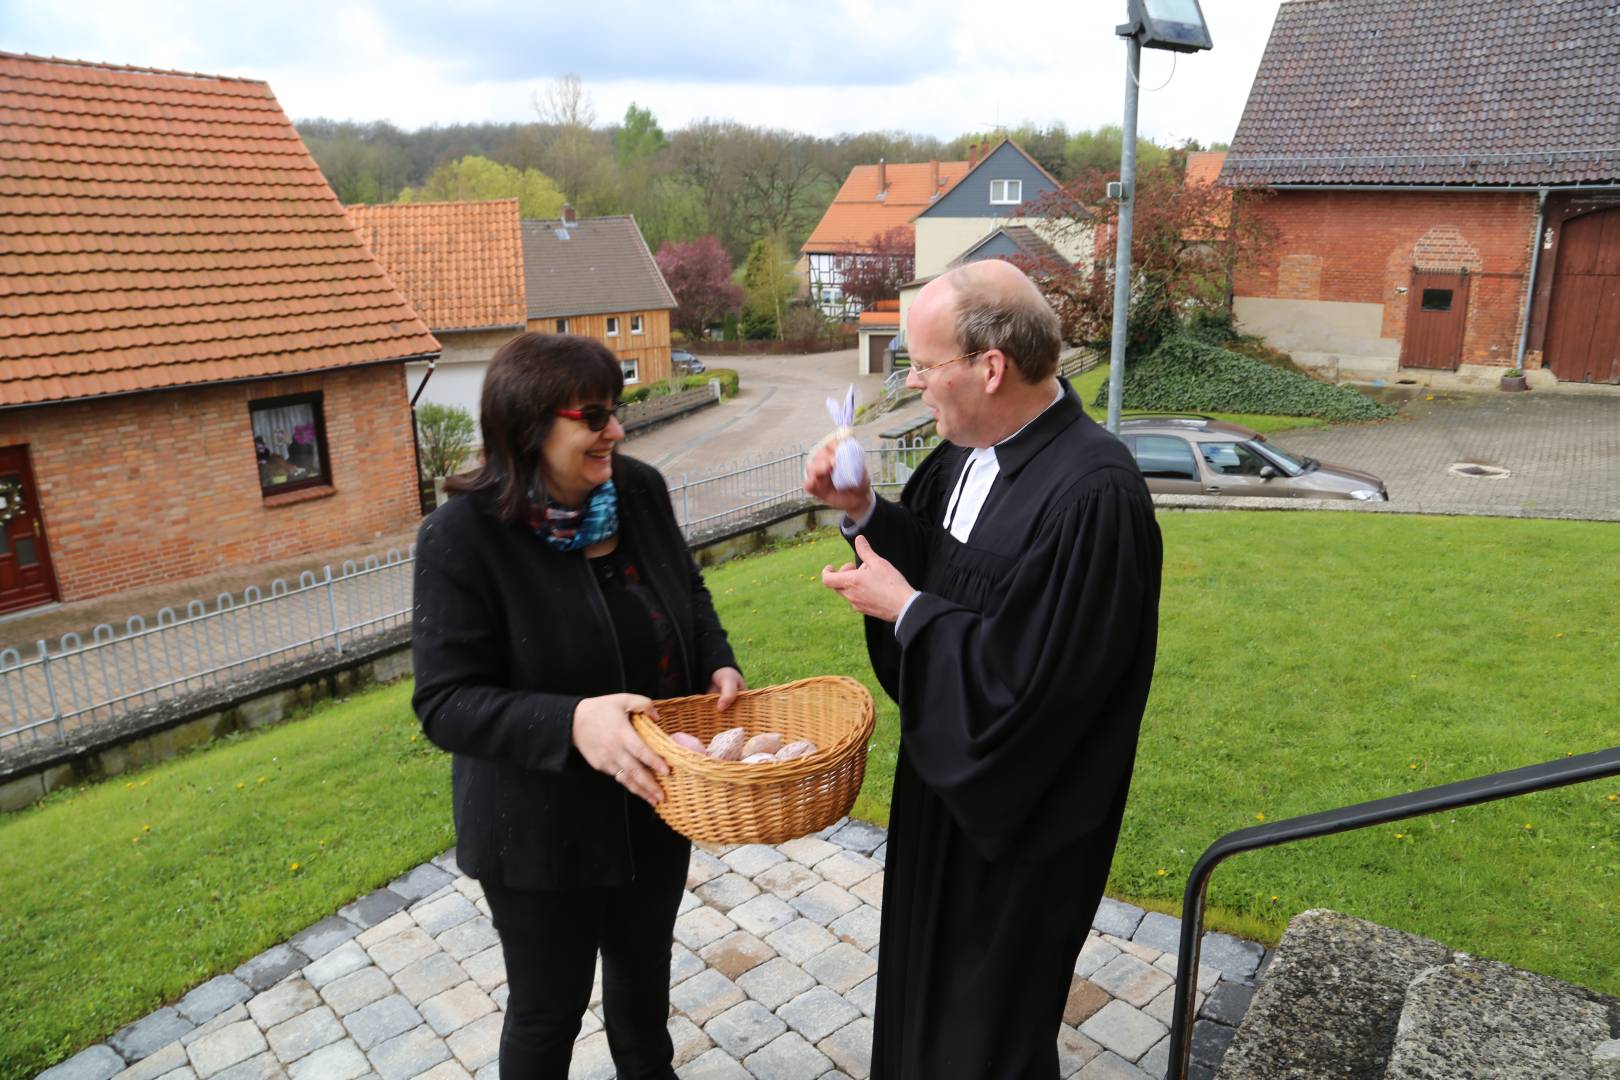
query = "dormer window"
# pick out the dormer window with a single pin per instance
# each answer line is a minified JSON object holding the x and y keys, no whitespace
{"x":1006,"y":192}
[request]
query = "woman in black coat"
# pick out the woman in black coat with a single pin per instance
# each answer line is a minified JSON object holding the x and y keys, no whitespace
{"x":554,"y":596}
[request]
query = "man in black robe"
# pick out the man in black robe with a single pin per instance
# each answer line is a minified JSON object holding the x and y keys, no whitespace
{"x":1012,"y":610}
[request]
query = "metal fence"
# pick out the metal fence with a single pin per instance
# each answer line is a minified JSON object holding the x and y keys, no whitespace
{"x":744,"y":489}
{"x":48,"y":693}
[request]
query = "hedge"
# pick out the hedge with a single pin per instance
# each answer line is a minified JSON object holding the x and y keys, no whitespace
{"x":1187,"y":375}
{"x":727,"y":377}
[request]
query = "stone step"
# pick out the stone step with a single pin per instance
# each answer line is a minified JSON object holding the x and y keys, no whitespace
{"x":1481,"y":1018}
{"x":1330,"y":1000}
{"x":1346,"y":999}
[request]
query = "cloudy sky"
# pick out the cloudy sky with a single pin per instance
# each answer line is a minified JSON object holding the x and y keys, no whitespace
{"x":939,"y":67}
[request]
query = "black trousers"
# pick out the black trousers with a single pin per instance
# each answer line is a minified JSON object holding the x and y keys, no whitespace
{"x":550,"y":940}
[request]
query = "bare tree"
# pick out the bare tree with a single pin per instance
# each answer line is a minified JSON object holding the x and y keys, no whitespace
{"x":568,"y":147}
{"x":565,"y":103}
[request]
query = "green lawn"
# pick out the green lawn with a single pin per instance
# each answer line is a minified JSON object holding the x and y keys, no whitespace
{"x":1312,"y":660}
{"x":120,"y":896}
{"x":1306,"y":661}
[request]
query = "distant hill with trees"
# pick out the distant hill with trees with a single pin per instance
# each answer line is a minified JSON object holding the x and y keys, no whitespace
{"x":737,"y":182}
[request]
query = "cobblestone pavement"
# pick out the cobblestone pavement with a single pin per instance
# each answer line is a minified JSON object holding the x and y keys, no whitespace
{"x":772,"y":975}
{"x":1562,"y":451}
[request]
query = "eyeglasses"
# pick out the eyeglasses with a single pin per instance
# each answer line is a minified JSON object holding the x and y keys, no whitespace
{"x":595,"y":417}
{"x":924,"y":369}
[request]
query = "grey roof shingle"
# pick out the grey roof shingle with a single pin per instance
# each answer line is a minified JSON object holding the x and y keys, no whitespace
{"x":1444,"y":92}
{"x":603,"y":265}
{"x":1028,"y":243}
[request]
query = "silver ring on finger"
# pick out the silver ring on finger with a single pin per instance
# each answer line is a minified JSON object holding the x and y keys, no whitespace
{"x":619,"y":776}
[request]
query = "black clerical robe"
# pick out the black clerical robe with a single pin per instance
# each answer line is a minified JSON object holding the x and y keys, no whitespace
{"x":1021,"y":671}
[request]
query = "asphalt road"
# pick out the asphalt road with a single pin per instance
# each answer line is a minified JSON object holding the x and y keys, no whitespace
{"x":780,"y":404}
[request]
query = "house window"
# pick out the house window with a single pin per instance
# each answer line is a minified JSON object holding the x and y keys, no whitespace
{"x":289,"y":441}
{"x":612,"y":326}
{"x":1437,"y":299}
{"x":1006,"y":192}
{"x":562,"y":326}
{"x":631,"y":369}
{"x":635,"y":324}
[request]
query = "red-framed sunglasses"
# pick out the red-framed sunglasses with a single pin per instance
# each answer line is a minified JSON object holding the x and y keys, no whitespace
{"x":595,"y":417}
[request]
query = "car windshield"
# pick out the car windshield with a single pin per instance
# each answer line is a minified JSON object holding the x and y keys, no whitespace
{"x":1291,"y":464}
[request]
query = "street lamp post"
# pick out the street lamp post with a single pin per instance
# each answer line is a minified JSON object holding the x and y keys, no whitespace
{"x":1176,"y":25}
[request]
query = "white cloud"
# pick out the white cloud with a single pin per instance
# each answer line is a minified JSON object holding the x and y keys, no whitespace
{"x":937,"y":68}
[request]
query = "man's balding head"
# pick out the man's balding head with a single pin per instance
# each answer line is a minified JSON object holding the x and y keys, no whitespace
{"x":997,"y":307}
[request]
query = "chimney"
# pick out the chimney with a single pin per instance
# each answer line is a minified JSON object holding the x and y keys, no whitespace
{"x":568,"y":216}
{"x":933,"y":176}
{"x":973,"y":154}
{"x":883,"y":176}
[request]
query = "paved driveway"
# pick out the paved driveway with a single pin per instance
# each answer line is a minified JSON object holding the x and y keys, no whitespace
{"x":1561,"y":451}
{"x":772,"y":976}
{"x":781,"y":403}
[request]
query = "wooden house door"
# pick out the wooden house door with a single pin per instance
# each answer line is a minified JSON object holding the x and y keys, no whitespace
{"x":25,"y":561}
{"x":1436,"y":316}
{"x":1583,"y":328}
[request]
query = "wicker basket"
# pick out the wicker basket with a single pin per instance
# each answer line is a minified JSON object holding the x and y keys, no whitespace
{"x":727,"y":802}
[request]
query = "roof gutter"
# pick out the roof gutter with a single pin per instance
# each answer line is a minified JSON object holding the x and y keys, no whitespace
{"x":430,"y":358}
{"x":1477,"y":188}
{"x":1530,"y":288}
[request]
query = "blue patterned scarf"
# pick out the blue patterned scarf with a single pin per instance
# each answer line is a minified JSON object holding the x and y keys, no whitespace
{"x":571,"y":530}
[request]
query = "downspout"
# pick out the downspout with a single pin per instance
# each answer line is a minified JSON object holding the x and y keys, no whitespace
{"x":434,"y":362}
{"x":416,"y":442}
{"x":1530,"y":291}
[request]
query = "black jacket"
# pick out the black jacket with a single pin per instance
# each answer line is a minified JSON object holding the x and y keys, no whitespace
{"x":508,"y":635}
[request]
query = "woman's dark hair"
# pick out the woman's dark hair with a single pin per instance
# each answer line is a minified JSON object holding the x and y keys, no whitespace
{"x":530,"y":378}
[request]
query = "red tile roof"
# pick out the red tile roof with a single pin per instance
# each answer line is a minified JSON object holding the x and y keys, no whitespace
{"x":459,"y":263}
{"x":857,"y":214}
{"x":1203,"y":170}
{"x":1203,"y":166}
{"x":160,"y":229}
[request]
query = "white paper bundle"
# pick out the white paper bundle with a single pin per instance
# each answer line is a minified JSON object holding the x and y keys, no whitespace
{"x":849,"y":460}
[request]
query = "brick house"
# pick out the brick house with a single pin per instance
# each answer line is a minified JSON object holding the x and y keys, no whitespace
{"x":1446,"y":182}
{"x":201,"y":365}
{"x":460,"y":264}
{"x":595,"y":276}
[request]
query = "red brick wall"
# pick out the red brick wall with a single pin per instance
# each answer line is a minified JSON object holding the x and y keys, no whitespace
{"x":157,"y":487}
{"x":1360,"y":246}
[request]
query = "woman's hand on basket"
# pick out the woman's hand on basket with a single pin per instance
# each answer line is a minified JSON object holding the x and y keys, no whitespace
{"x":603,"y":734}
{"x":728,"y":683}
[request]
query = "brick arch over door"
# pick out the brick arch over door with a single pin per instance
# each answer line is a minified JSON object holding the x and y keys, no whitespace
{"x":1583,"y":325}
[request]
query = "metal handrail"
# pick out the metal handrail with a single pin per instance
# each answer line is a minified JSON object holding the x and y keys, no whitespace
{"x":1503,"y":785}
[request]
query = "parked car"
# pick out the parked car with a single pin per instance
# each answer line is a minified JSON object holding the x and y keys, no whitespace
{"x":685,"y":363}
{"x":1195,"y":455}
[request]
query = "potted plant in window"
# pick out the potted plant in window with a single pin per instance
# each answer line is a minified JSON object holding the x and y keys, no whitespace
{"x":1514,"y":379}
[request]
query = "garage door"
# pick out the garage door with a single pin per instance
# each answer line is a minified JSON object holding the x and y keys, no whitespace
{"x":1583,"y":328}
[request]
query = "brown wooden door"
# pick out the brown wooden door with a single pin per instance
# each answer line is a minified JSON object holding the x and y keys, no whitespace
{"x":1436,"y":316}
{"x":1583,"y":326}
{"x":874,"y":352}
{"x":25,"y":561}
